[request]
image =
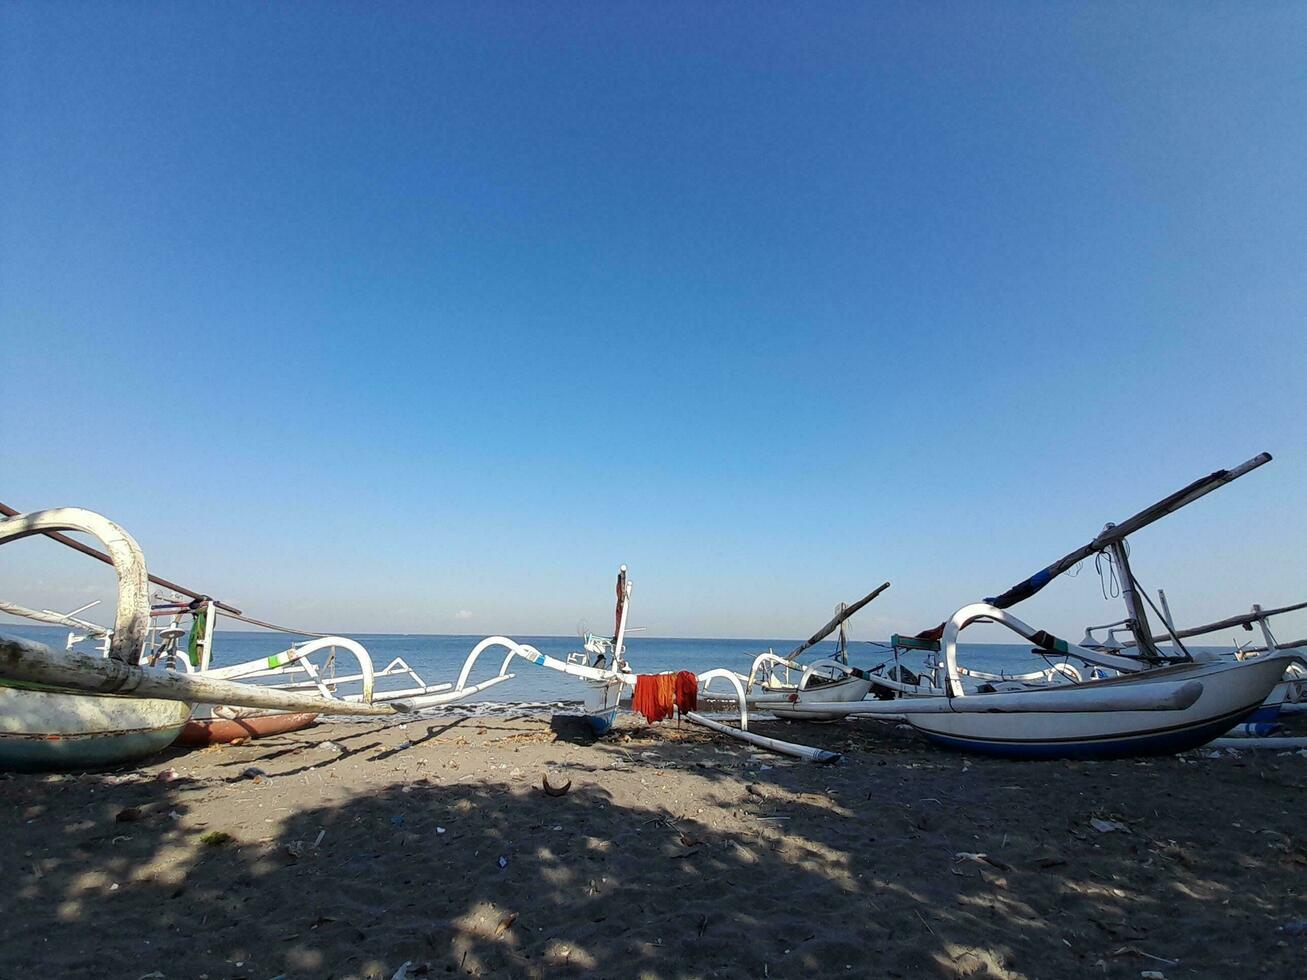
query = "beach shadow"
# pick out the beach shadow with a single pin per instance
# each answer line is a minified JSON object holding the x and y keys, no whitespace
{"x":921,"y":863}
{"x":572,"y":728}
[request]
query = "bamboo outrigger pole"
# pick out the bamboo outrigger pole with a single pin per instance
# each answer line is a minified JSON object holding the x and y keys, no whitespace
{"x":1113,"y":534}
{"x":842,"y":616}
{"x":1247,"y":619}
{"x":67,"y":670}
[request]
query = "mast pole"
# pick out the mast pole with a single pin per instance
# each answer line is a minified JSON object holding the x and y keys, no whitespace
{"x":623,"y":599}
{"x":1266,"y":628}
{"x":1138,"y":624}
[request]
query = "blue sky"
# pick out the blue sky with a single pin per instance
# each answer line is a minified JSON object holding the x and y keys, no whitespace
{"x":424,"y":317}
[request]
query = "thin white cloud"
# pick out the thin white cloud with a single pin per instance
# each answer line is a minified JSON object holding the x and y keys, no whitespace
{"x":463,"y":614}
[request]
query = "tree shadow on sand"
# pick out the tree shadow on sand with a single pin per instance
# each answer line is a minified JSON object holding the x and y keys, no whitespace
{"x":670,"y":856}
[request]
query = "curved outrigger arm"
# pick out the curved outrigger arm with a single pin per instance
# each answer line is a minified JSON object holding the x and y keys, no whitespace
{"x":706,"y":679}
{"x":132,"y":619}
{"x":530,"y":654}
{"x":68,"y":670}
{"x":765,"y":664}
{"x":985,"y":612}
{"x":286,"y":658}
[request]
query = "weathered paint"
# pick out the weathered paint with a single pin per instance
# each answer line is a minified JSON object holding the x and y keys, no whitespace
{"x":42,"y":730}
{"x":23,"y":660}
{"x":132,"y":620}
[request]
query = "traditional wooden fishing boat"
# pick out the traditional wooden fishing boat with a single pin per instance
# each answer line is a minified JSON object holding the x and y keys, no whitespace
{"x":603,"y":697}
{"x":42,"y":727}
{"x":777,"y":683}
{"x":46,"y":730}
{"x":1158,"y":711}
{"x":69,"y":709}
{"x":1157,"y":703}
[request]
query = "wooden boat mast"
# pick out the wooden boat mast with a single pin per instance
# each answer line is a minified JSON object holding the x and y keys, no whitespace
{"x":840,"y":618}
{"x":623,"y":603}
{"x":1137,"y":615}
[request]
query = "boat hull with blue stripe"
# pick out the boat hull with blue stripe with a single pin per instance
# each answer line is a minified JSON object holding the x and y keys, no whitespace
{"x":1151,"y":712}
{"x":1049,"y":736}
{"x":601,"y":703}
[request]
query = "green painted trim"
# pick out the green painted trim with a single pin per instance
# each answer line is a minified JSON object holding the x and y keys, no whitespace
{"x":913,"y":643}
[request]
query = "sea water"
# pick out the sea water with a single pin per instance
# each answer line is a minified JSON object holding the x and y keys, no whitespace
{"x":438,"y":658}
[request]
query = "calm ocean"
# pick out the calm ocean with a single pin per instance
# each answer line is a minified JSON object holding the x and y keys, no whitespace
{"x":438,"y":658}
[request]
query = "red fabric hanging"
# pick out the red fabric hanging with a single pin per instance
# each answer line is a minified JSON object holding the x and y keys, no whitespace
{"x":687,"y":692}
{"x":654,"y":696}
{"x":657,"y":695}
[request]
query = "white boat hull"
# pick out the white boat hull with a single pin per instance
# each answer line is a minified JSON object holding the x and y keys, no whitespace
{"x":601,"y":700}
{"x":44,"y":730}
{"x":780,"y":700}
{"x":1230,"y":693}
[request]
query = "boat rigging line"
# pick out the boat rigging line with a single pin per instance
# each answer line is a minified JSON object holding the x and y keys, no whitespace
{"x":86,"y":549}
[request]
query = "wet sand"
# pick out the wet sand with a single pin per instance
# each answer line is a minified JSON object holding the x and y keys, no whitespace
{"x":351,"y":849}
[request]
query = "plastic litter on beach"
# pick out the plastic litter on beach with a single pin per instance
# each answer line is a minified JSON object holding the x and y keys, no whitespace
{"x":1107,"y":826}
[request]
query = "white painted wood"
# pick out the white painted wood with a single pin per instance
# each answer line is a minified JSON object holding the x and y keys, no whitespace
{"x":132,"y":620}
{"x":21,"y":660}
{"x":805,"y":752}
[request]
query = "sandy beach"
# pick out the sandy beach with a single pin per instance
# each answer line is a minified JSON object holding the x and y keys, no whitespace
{"x":351,"y":849}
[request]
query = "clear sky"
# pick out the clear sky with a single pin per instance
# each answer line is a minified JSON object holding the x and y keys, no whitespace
{"x":425,"y":317}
